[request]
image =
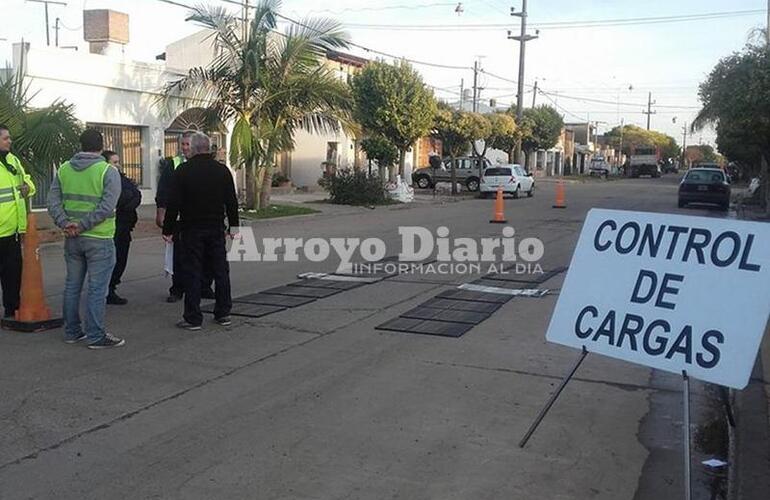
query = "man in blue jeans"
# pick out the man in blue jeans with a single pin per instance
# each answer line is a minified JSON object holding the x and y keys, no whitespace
{"x":82,"y":202}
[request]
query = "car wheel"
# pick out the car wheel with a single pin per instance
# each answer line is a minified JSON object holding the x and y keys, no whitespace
{"x":516,"y":193}
{"x":472,"y":184}
{"x":423,"y":182}
{"x":531,"y":191}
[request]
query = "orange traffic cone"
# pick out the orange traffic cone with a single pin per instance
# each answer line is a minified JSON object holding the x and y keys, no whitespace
{"x":499,"y":208}
{"x":560,"y":203}
{"x":33,"y":314}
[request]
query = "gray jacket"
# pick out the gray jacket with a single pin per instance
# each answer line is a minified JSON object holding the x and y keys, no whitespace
{"x":106,"y":206}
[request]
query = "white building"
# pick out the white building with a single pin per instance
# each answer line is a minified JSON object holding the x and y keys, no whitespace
{"x":120,"y":97}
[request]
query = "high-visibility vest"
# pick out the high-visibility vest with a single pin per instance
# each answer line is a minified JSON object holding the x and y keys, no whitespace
{"x":81,"y":192}
{"x":13,"y":206}
{"x":178,"y":160}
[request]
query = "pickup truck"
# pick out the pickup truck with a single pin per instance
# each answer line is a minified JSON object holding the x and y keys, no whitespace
{"x":468,"y":173}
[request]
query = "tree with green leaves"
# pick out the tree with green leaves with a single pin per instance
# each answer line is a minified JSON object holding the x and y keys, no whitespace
{"x":542,"y":126}
{"x":269,"y":84}
{"x":633,"y":137}
{"x":42,"y":137}
{"x":393,"y":102}
{"x":503,"y":133}
{"x":736,"y":101}
{"x":457,"y":130}
{"x":381,"y":150}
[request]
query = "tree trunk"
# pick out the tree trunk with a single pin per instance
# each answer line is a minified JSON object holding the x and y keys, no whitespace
{"x":765,"y":187}
{"x":267,"y":185}
{"x":381,"y":172}
{"x":454,"y":176}
{"x":251,"y":186}
{"x":401,"y":163}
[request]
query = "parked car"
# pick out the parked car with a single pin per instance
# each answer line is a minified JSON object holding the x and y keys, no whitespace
{"x":512,"y":178}
{"x":468,"y":173}
{"x":705,"y":185}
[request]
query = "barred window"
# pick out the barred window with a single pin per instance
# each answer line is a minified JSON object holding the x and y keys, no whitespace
{"x":127,"y":142}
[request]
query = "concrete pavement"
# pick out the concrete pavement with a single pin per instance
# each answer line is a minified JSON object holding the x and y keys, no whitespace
{"x":314,"y":403}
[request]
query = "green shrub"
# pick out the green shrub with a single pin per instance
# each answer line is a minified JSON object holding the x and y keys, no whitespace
{"x":278,"y":179}
{"x":348,"y":187}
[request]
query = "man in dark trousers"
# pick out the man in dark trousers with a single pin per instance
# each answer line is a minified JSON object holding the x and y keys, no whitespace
{"x":181,"y":276}
{"x":202,"y":192}
{"x":125,"y":221}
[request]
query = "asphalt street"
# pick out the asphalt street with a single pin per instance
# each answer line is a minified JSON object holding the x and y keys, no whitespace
{"x":314,"y":403}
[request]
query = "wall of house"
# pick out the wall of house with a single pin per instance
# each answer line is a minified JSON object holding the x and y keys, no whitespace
{"x":104,"y":90}
{"x":196,"y":50}
{"x":310,"y":152}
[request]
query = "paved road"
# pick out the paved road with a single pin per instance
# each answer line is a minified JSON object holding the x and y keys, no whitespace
{"x":314,"y":403}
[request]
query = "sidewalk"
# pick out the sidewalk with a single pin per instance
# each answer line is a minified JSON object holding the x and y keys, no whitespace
{"x":749,"y":459}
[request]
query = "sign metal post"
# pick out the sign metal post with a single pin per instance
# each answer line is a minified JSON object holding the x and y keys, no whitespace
{"x":686,"y":429}
{"x":553,"y":398}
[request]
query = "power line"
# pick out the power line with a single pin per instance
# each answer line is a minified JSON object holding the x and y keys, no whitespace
{"x":616,"y":103}
{"x":554,"y":25}
{"x":374,"y":51}
{"x":387,"y":7}
{"x":171,"y":2}
{"x":362,"y":47}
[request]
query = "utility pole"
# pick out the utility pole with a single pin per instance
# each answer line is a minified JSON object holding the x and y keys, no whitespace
{"x":475,"y":85}
{"x":684,"y":145}
{"x":620,"y":153}
{"x":523,"y":38}
{"x":534,"y":94}
{"x":47,"y":31}
{"x":649,"y":111}
{"x":462,"y":92}
{"x":56,"y":31}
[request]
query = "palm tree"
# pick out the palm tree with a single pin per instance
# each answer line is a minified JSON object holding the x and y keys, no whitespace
{"x":42,"y":137}
{"x":268,"y":85}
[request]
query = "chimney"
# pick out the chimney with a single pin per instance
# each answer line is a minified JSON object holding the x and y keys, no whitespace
{"x":106,"y":31}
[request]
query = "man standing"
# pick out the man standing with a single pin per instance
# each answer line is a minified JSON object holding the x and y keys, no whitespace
{"x":125,"y":221}
{"x":15,"y":187}
{"x":201,"y":193}
{"x":180,"y":277}
{"x":82,"y":202}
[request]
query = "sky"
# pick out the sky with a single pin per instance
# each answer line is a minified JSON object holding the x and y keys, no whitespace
{"x":619,"y":65}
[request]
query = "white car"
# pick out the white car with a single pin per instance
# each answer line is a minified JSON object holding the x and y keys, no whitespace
{"x":512,"y":178}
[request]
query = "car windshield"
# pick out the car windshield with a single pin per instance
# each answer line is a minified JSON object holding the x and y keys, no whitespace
{"x":704,"y":177}
{"x":495,"y":171}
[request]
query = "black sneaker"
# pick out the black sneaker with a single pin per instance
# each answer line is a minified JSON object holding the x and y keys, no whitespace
{"x":184,"y":325}
{"x":174,"y":298}
{"x":75,"y":340}
{"x":107,"y":342}
{"x":207,"y":293}
{"x":116,"y":300}
{"x":223,"y":321}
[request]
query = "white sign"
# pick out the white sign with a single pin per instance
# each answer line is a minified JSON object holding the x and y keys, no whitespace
{"x":676,"y":293}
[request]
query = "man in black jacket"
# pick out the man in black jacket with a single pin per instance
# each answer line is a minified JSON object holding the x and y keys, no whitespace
{"x":125,"y":221}
{"x":181,"y":274}
{"x":201,"y":194}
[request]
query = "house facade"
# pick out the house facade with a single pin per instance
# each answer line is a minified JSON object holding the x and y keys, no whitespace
{"x":120,"y":97}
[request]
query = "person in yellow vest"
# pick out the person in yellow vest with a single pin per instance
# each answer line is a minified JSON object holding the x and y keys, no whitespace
{"x":82,"y":201}
{"x":15,"y":187}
